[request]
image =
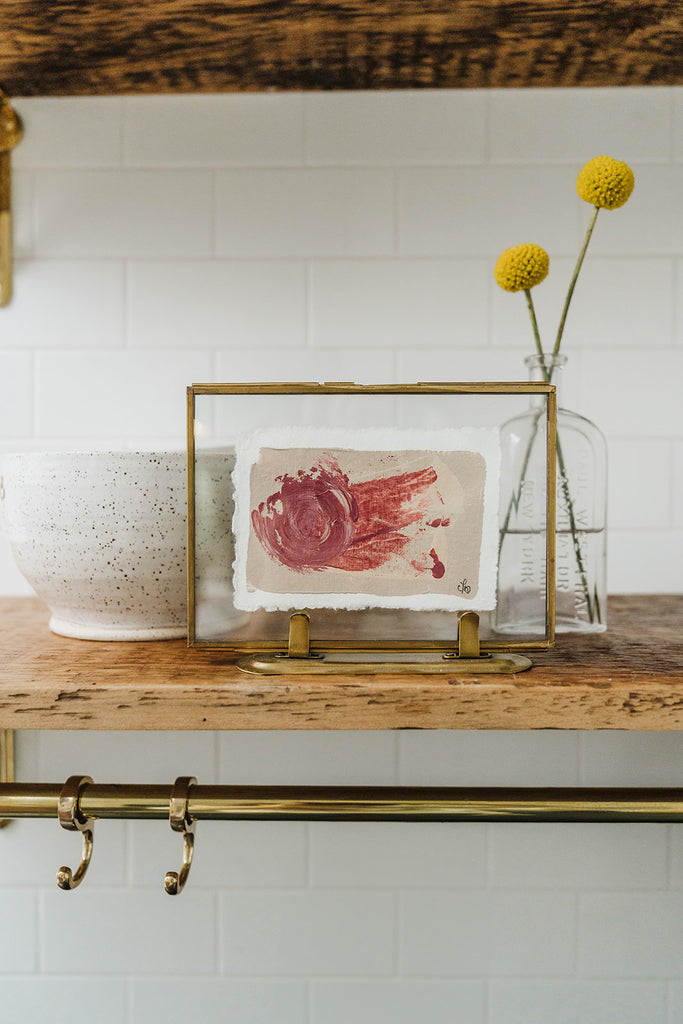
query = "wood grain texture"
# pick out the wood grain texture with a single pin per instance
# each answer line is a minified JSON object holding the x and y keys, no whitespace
{"x":630,"y":677}
{"x":76,"y":47}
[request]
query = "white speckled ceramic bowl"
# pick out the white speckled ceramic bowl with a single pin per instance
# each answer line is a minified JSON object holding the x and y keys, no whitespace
{"x":101,"y":538}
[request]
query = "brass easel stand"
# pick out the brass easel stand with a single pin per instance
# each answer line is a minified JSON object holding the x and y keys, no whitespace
{"x":299,"y":659}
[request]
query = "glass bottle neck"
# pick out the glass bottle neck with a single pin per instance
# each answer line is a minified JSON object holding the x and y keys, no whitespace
{"x":546,"y":369}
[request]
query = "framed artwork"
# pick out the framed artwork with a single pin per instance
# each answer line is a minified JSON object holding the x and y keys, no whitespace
{"x":376,"y":509}
{"x":350,"y":520}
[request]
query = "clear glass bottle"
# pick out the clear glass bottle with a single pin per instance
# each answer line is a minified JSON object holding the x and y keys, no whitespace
{"x":580,"y":587}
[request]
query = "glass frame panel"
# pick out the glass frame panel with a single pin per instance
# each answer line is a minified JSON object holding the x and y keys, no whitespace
{"x":258,"y":633}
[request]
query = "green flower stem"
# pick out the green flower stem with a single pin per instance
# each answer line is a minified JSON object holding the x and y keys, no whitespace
{"x":572,"y":283}
{"x":515,"y":498}
{"x":534,"y":324}
{"x":574,"y":531}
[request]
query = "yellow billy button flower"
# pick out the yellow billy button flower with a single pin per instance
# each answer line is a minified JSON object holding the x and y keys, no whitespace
{"x":605,"y":182}
{"x":521,"y":267}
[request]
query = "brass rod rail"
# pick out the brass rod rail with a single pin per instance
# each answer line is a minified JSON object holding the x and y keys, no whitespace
{"x":355,"y":803}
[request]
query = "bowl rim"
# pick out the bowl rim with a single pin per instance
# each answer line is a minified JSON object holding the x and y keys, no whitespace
{"x":156,"y":453}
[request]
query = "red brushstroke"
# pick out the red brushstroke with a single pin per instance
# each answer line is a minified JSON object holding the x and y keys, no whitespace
{"x":386,"y":506}
{"x":318,"y":519}
{"x":438,"y":569}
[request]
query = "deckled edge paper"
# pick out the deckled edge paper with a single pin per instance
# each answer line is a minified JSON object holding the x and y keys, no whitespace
{"x":482,"y":441}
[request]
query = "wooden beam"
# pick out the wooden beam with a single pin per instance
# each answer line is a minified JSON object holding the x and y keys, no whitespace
{"x":115,"y":47}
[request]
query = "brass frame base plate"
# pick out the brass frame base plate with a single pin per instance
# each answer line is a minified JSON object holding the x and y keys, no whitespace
{"x":361,"y":664}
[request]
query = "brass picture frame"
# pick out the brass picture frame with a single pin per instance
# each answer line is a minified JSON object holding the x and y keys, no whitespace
{"x":300,"y":636}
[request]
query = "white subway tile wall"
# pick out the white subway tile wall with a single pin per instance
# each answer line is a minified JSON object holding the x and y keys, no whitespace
{"x":81,"y":304}
{"x":216,"y":304}
{"x":100,"y":214}
{"x":169,"y":239}
{"x":304,"y":212}
{"x":384,"y":129}
{"x":524,"y":125}
{"x":214,"y":131}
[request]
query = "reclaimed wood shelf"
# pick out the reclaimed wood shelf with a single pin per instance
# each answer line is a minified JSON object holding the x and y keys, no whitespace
{"x":61,"y":48}
{"x":630,"y":677}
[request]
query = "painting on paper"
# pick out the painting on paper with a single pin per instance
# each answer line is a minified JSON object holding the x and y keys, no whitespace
{"x":350,"y":519}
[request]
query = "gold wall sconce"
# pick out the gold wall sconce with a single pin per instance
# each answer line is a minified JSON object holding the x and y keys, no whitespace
{"x":11,"y":132}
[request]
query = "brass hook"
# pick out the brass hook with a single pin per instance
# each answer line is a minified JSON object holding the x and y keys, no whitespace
{"x":179,"y":818}
{"x":11,"y":132}
{"x":71,"y":818}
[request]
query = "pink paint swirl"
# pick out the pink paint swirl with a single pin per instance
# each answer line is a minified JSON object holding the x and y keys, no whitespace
{"x":309,"y":521}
